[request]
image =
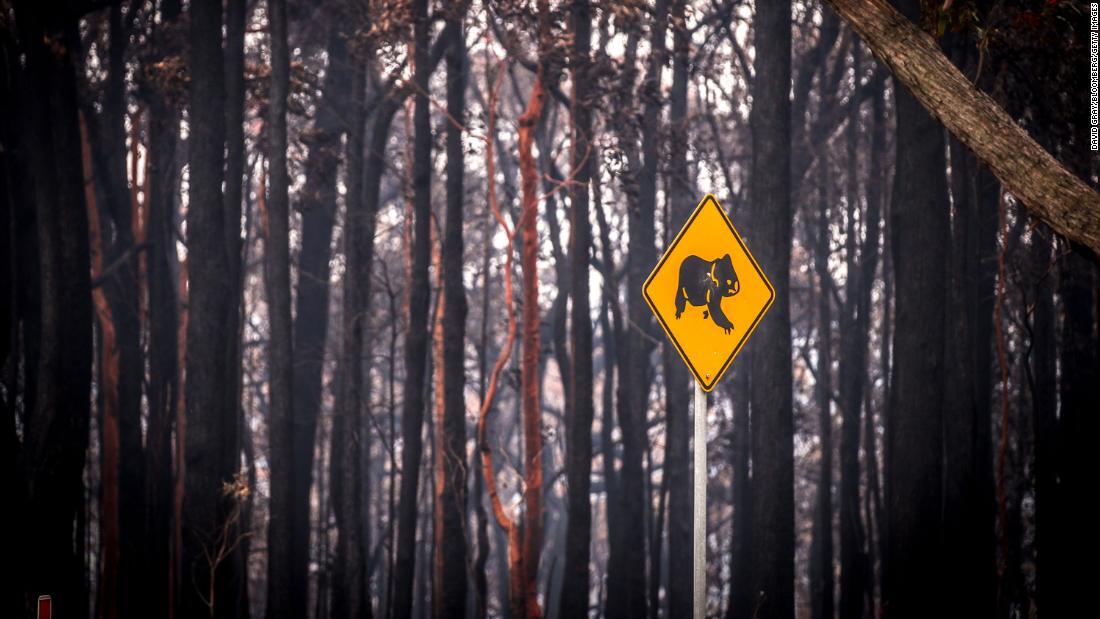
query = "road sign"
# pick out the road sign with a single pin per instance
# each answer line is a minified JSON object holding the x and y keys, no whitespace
{"x":708,"y":292}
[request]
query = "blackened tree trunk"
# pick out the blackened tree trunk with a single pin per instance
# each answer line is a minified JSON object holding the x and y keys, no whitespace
{"x":481,"y":517}
{"x":450,"y":501}
{"x":821,"y":549}
{"x":886,"y":366}
{"x":617,"y":567}
{"x":772,"y":423}
{"x":235,"y":17}
{"x":968,"y":473}
{"x":630,"y":599}
{"x":856,"y":568}
{"x":1077,"y":388}
{"x":919,"y":224}
{"x":121,"y":289}
{"x":968,"y":461}
{"x":107,"y":405}
{"x":678,"y":467}
{"x":740,"y":597}
{"x":317,"y":203}
{"x":416,"y":340}
{"x":350,"y":598}
{"x":861,"y":260}
{"x":280,"y":600}
{"x":869,"y":255}
{"x":578,"y":440}
{"x":611,"y":328}
{"x":14,"y":211}
{"x":1049,"y":537}
{"x":51,"y":459}
{"x":559,"y":310}
{"x":161,"y":274}
{"x":209,"y":527}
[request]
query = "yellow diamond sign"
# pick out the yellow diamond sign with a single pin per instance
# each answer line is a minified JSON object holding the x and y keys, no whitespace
{"x":708,"y":292}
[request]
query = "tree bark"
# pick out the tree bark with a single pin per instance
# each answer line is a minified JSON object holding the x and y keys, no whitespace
{"x":876,"y":221}
{"x":1030,"y":173}
{"x":968,"y":457}
{"x":772,"y":419}
{"x":481,"y":579}
{"x":110,"y":550}
{"x":1077,"y":389}
{"x":208,"y":527}
{"x":350,"y":597}
{"x":1049,"y":542}
{"x":920,"y":224}
{"x":161,"y":278}
{"x":280,"y":592}
{"x":416,"y":340}
{"x":821,"y":549}
{"x":678,"y":465}
{"x":861,"y":261}
{"x":16,"y":280}
{"x":55,"y":434}
{"x":611,"y":330}
{"x":236,"y":14}
{"x":627,"y":593}
{"x":616,"y":401}
{"x":317,"y":204}
{"x":450,"y":454}
{"x":740,"y":597}
{"x":510,"y":555}
{"x":530,"y":404}
{"x":121,"y":291}
{"x":578,"y":440}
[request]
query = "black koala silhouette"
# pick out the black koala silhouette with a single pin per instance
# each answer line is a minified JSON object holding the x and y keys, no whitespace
{"x":704,"y":282}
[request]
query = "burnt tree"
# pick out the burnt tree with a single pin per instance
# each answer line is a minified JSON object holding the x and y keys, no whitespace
{"x":280,"y":593}
{"x":627,"y":593}
{"x":50,"y":459}
{"x":575,"y":584}
{"x":821,"y":548}
{"x":350,"y":592}
{"x":161,"y":276}
{"x":209,"y":516}
{"x":678,"y":467}
{"x":449,"y":595}
{"x":236,"y":15}
{"x":772,"y":422}
{"x":919,"y":223}
{"x":317,"y":205}
{"x":416,"y":340}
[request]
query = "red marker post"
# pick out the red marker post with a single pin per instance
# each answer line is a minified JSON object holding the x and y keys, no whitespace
{"x":45,"y":607}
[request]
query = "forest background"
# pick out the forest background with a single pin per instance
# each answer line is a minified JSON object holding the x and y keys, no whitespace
{"x":332,"y":309}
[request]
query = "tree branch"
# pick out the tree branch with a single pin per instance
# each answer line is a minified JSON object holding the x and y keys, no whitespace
{"x":1050,"y":191}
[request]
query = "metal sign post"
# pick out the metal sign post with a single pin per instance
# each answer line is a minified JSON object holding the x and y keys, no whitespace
{"x":699,"y":529}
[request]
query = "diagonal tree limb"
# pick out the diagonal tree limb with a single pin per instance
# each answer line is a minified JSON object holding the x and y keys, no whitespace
{"x":1050,"y":191}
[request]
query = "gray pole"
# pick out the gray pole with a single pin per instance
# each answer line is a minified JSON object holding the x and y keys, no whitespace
{"x":699,"y":530}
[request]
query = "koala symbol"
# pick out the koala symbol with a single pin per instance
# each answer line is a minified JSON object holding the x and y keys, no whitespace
{"x":704,"y":282}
